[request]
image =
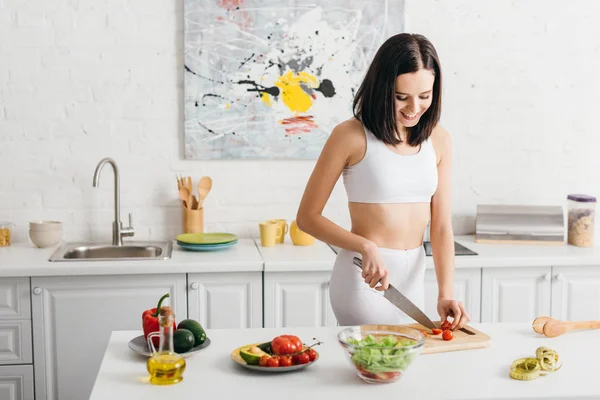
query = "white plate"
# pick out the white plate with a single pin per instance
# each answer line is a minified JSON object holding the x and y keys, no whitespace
{"x":140,"y":346}
{"x":235,"y":356}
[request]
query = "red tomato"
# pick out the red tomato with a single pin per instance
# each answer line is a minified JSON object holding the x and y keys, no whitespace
{"x":312,"y":354}
{"x":436,"y":331}
{"x":301,"y":358}
{"x":446,"y":325}
{"x":263,"y":361}
{"x":285,"y":361}
{"x":447,"y":335}
{"x":273,"y":362}
{"x":295,"y":340}
{"x":281,"y":345}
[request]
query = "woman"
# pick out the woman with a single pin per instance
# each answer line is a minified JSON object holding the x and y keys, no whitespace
{"x":396,"y":166}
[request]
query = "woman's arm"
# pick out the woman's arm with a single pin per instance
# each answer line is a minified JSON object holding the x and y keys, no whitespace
{"x":334,"y":157}
{"x":441,"y":233}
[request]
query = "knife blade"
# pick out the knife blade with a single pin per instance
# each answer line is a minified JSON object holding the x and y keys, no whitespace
{"x":403,"y":303}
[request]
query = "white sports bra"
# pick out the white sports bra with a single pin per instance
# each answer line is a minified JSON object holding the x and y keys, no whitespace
{"x":383,"y":176}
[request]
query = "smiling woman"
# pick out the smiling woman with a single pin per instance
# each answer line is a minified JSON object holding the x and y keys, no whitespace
{"x":396,"y":165}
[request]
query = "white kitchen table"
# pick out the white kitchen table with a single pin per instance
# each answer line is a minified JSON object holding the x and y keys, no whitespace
{"x":473,"y":374}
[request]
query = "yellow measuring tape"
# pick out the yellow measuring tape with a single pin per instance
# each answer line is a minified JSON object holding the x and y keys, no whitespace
{"x":529,"y":368}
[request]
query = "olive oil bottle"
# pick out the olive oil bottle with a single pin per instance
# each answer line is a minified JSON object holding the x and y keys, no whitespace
{"x":165,"y":366}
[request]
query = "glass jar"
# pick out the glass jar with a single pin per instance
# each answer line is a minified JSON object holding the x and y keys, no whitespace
{"x":5,"y":228}
{"x":582,"y":212}
{"x":165,"y":366}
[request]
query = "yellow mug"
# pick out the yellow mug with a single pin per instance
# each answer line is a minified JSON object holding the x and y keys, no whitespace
{"x":300,"y":238}
{"x":284,"y":229}
{"x":268,"y":233}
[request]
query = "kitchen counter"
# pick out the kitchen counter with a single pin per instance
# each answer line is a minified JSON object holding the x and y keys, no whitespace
{"x":466,"y":375}
{"x":23,"y":259}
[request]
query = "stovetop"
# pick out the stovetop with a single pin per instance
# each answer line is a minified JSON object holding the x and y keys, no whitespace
{"x":459,"y":249}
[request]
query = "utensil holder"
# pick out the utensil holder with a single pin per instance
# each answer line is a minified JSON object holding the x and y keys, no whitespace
{"x":193,"y":220}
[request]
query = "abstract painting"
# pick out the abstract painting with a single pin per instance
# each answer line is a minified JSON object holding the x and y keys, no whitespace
{"x":270,"y":79}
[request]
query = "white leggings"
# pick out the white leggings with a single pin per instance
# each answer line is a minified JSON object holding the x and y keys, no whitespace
{"x":354,"y":302}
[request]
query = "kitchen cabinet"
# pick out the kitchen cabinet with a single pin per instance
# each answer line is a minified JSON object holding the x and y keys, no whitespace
{"x":467,"y":290}
{"x":516,"y":294}
{"x":16,"y":382}
{"x":226,"y":300}
{"x":73,"y":318}
{"x":294,"y":299}
{"x":576,"y":293}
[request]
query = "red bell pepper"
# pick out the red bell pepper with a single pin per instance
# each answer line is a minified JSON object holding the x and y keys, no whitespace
{"x":150,"y":321}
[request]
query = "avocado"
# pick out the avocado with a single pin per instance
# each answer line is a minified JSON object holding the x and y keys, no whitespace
{"x":194,"y":327}
{"x":183,"y":340}
{"x":252,"y":354}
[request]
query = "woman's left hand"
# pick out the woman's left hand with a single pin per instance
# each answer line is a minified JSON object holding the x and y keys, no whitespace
{"x":451,"y":308}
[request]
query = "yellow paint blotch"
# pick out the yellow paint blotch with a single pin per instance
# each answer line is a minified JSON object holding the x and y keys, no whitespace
{"x":293,"y":96}
{"x":266,"y":98}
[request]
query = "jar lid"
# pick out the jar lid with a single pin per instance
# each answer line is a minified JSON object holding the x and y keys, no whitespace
{"x":584,"y":198}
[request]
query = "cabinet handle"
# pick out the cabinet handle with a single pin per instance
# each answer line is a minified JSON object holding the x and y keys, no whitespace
{"x":559,"y":277}
{"x":194,"y":285}
{"x":37,"y":290}
{"x":547,"y":277}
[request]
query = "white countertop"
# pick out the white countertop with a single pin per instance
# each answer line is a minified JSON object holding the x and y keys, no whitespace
{"x":466,"y":375}
{"x":287,"y":257}
{"x":24,"y":259}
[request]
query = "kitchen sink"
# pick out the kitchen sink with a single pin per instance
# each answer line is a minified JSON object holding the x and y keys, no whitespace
{"x":106,"y":252}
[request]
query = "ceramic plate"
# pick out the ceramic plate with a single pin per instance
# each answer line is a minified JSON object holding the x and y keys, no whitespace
{"x":235,"y":356}
{"x":205,"y":247}
{"x":206,"y":238}
{"x":140,"y":346}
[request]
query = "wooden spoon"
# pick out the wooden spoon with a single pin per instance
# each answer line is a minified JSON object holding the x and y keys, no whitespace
{"x":204,"y":187}
{"x":554,"y":327}
{"x":184,"y":195}
{"x":538,"y":324}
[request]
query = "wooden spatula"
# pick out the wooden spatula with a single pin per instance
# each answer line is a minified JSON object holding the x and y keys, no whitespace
{"x":552,"y":327}
{"x":204,"y":187}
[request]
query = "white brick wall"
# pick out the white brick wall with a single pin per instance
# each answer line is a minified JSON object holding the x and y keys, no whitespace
{"x":81,"y":80}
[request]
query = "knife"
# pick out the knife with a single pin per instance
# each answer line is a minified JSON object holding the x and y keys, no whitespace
{"x":403,"y":303}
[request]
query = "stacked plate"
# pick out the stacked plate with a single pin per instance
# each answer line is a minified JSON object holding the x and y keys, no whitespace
{"x":206,"y":241}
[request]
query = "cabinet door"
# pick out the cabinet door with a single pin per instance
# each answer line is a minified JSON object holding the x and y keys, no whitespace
{"x":576,"y":293}
{"x":16,"y":382}
{"x":515,"y":294}
{"x":226,"y":300}
{"x":73,"y":318}
{"x":294,"y":299}
{"x":467,"y":290}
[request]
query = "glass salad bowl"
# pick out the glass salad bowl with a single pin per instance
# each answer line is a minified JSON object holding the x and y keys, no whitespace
{"x":381,"y":353}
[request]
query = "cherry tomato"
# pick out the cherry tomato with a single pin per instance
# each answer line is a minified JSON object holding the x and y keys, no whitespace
{"x":436,"y":331}
{"x":301,"y":358}
{"x":285,"y":361}
{"x":446,"y":325}
{"x":312,"y":354}
{"x":263,"y":361}
{"x":273,"y":362}
{"x":447,"y":335}
{"x":281,"y":345}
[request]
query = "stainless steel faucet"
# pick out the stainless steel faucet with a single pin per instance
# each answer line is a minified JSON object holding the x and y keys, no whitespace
{"x":118,"y":230}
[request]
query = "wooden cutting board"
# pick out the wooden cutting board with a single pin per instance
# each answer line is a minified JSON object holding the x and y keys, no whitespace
{"x":461,"y":341}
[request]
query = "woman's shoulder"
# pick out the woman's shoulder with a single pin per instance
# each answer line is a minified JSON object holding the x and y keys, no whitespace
{"x":348,"y":138}
{"x":440,"y":140}
{"x":350,"y":130}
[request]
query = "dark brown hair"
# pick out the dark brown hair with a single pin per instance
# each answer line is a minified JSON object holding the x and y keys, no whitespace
{"x":374,"y":103}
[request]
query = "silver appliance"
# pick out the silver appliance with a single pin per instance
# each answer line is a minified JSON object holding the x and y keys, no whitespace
{"x":529,"y":224}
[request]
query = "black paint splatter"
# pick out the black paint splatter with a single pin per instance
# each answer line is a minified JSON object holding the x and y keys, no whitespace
{"x":273,"y":90}
{"x":326,"y":87}
{"x":198,"y":75}
{"x":246,"y":60}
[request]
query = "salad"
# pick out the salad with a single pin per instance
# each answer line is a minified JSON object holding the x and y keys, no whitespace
{"x":382,"y":358}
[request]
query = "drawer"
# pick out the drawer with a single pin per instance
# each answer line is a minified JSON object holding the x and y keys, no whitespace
{"x":15,"y":342}
{"x":15,"y":301}
{"x":16,"y":382}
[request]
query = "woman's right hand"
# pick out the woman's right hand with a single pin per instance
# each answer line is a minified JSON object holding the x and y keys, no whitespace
{"x":373,"y":267}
